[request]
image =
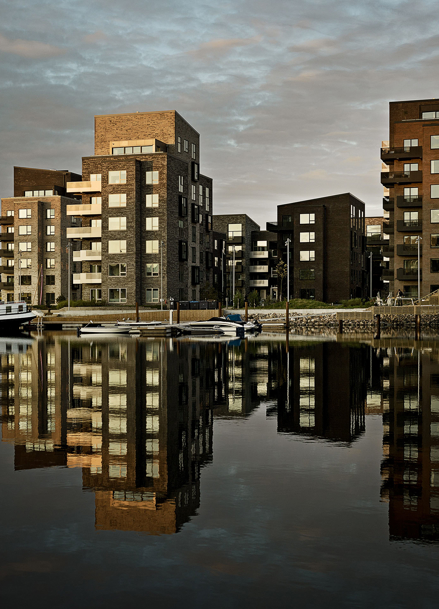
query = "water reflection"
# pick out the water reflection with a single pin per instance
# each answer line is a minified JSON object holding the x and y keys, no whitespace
{"x":137,"y":416}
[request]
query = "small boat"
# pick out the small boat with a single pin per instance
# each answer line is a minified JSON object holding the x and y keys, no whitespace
{"x":249,"y":326}
{"x":127,"y":323}
{"x":92,"y":328}
{"x":13,"y":315}
{"x":214,"y":325}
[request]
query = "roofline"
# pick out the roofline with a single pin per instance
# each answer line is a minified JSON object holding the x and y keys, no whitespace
{"x":406,"y":101}
{"x":317,"y":199}
{"x":153,"y":112}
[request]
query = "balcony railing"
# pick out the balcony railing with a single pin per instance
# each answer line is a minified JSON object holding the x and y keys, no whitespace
{"x":411,"y":202}
{"x":407,"y":274}
{"x":6,"y":285}
{"x":388,"y":251}
{"x":408,"y":250}
{"x":254,"y":254}
{"x":6,"y":220}
{"x":409,"y":226}
{"x":9,"y":270}
{"x":79,"y":187}
{"x":258,"y":269}
{"x":4,"y":253}
{"x":400,"y":177}
{"x":93,"y":209}
{"x":79,"y":278}
{"x":406,"y":152}
{"x":258,"y":283}
{"x":8,"y":237}
{"x":83,"y":255}
{"x":388,"y":228}
{"x":387,"y":274}
{"x":388,"y":204}
{"x":85,"y":232}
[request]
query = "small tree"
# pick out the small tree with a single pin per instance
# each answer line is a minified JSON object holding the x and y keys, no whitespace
{"x":208,"y":292}
{"x":237,"y":300}
{"x":253,"y":298}
{"x":60,"y":298}
{"x":281,"y":270}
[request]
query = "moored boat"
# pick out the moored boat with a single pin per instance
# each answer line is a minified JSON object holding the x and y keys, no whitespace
{"x":13,"y":315}
{"x":92,"y":328}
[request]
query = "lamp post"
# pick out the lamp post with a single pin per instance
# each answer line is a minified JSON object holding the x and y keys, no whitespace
{"x":161,"y":275}
{"x":287,"y":243}
{"x":418,"y":240}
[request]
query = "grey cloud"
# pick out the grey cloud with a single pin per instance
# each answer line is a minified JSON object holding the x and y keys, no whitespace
{"x":29,"y":48}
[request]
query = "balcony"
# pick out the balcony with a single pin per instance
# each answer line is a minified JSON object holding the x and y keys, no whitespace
{"x":389,"y":178}
{"x":412,"y":202}
{"x":6,"y":285}
{"x":258,"y":269}
{"x":258,"y":254}
{"x":80,"y":187}
{"x":409,"y":226}
{"x":388,"y":228}
{"x":6,"y":220}
{"x":85,"y":232}
{"x":408,"y":250}
{"x":272,"y":227}
{"x":9,"y":270}
{"x":387,"y":274}
{"x":235,"y":239}
{"x":84,"y":255}
{"x":388,"y":251}
{"x":6,"y":253}
{"x":79,"y":278}
{"x":8,"y":237}
{"x":376,"y":239}
{"x":395,"y":154}
{"x":258,"y":283}
{"x":407,"y":275}
{"x":388,"y":204}
{"x":94,"y":209}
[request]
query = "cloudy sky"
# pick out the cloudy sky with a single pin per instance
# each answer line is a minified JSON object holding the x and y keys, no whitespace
{"x":290,"y":96}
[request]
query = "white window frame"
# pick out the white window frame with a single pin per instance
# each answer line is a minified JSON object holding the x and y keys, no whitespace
{"x":116,"y":223}
{"x":50,"y":213}
{"x":308,"y":237}
{"x":152,"y":269}
{"x":121,"y":297}
{"x":118,"y":245}
{"x":24,"y":213}
{"x":117,"y":177}
{"x":117,"y":200}
{"x":50,"y":246}
{"x":25,"y":246}
{"x":152,"y":223}
{"x":25,"y":229}
{"x":50,"y":230}
{"x":152,"y":200}
{"x":152,"y":246}
{"x":155,"y":295}
{"x":50,"y":263}
{"x":152,"y":177}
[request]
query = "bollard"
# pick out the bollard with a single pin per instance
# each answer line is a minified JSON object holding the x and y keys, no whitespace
{"x":246,"y":310}
{"x":220,"y":310}
{"x":178,"y":312}
{"x":287,"y":316}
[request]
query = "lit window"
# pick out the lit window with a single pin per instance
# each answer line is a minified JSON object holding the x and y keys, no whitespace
{"x":152,"y":270}
{"x":152,"y":223}
{"x":50,"y":263}
{"x":152,"y":200}
{"x":50,"y":246}
{"x":117,"y":177}
{"x":435,"y":166}
{"x":234,"y":230}
{"x":152,"y":247}
{"x":307,"y":237}
{"x":117,"y":223}
{"x":50,"y":230}
{"x":26,"y":246}
{"x":25,"y":229}
{"x":307,"y":218}
{"x":307,"y":256}
{"x":117,"y":270}
{"x":117,"y":295}
{"x":117,"y":200}
{"x":434,"y":192}
{"x":411,"y":193}
{"x":152,"y":295}
{"x":207,"y":195}
{"x":50,"y":213}
{"x":10,"y":213}
{"x":152,"y":177}
{"x":117,"y":247}
{"x":434,"y":142}
{"x":24,"y":213}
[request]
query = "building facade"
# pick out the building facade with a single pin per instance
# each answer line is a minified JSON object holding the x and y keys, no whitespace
{"x":412,"y":178}
{"x":377,"y":252}
{"x":33,"y":236}
{"x":146,"y":212}
{"x":326,"y":247}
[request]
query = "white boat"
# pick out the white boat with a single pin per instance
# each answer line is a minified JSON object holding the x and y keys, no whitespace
{"x":220,"y":325}
{"x":137,"y":324}
{"x":13,"y":315}
{"x":92,"y":328}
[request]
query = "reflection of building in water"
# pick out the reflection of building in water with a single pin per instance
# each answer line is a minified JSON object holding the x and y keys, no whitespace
{"x":410,"y":468}
{"x":323,"y":391}
{"x":137,"y":419}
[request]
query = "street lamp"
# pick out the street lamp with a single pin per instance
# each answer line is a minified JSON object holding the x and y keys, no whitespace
{"x":418,"y":241}
{"x":287,"y":243}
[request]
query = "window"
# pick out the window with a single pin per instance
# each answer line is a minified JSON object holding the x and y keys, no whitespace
{"x":95,"y":268}
{"x":307,"y":237}
{"x":152,"y":224}
{"x":152,"y":177}
{"x":25,"y":229}
{"x":307,"y":274}
{"x":308,"y":294}
{"x":194,"y":254}
{"x":50,"y":298}
{"x":96,"y":223}
{"x":434,"y":192}
{"x":96,"y":246}
{"x":432,"y":114}
{"x":38,"y":193}
{"x":117,"y":200}
{"x":133,"y":150}
{"x":410,"y":240}
{"x":10,"y":229}
{"x":194,"y":192}
{"x":50,"y":279}
{"x":96,"y":200}
{"x":117,"y":223}
{"x":10,"y":247}
{"x":117,"y":247}
{"x":24,"y":213}
{"x":182,"y":206}
{"x":178,"y":144}
{"x":286,"y":220}
{"x":194,"y":151}
{"x":410,"y":266}
{"x":152,"y":247}
{"x":50,"y":263}
{"x":434,"y":142}
{"x":182,"y":250}
{"x":152,"y":269}
{"x":307,"y":256}
{"x":26,"y":280}
{"x":434,"y":265}
{"x":234,"y":230}
{"x":435,"y":166}
{"x":180,"y":183}
{"x":195,"y":214}
{"x":434,"y":240}
{"x":11,"y":263}
{"x":186,"y":145}
{"x":50,"y":246}
{"x":117,"y":270}
{"x":152,"y":200}
{"x":10,"y":213}
{"x":408,"y":167}
{"x":96,"y":177}
{"x":50,"y":213}
{"x":411,"y":193}
{"x":207,"y":195}
{"x":152,"y":295}
{"x":117,"y":295}
{"x":96,"y":294}
{"x":26,"y":246}
{"x":307,"y":218}
{"x":50,"y":230}
{"x":194,"y":234}
{"x":195,"y":171}
{"x":410,"y":144}
{"x":117,"y":177}
{"x":434,"y":216}
{"x":411,"y":218}
{"x":200,"y":195}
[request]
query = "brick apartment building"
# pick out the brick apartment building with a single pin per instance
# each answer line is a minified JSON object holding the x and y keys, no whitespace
{"x":33,"y":236}
{"x":327,"y":247}
{"x":146,"y":212}
{"x":412,"y":157}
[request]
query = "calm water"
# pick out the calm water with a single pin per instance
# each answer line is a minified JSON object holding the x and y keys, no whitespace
{"x":215,"y":474}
